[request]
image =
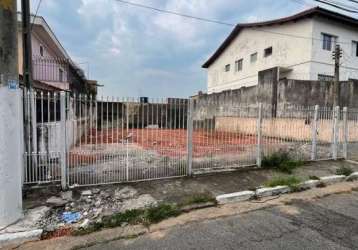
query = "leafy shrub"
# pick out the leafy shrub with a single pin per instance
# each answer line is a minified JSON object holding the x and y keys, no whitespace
{"x":344,"y":170}
{"x":198,"y":198}
{"x":290,"y":181}
{"x":161,"y":212}
{"x":281,"y":161}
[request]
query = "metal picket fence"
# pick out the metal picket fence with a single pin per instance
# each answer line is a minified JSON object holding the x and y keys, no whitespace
{"x":80,"y":140}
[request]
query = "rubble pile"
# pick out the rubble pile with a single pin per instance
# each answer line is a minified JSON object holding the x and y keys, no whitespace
{"x":88,"y":206}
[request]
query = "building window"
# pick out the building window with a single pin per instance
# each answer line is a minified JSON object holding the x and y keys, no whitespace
{"x":328,"y":78}
{"x":239,"y":64}
{"x":227,"y":67}
{"x":60,"y":75}
{"x":355,"y":48}
{"x":41,"y":50}
{"x":329,"y":41}
{"x":253,"y":57}
{"x":268,"y":52}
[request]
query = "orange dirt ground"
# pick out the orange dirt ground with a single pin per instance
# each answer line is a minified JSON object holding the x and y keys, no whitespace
{"x":170,"y":142}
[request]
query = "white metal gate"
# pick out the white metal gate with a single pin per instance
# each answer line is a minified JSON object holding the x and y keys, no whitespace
{"x":128,"y":139}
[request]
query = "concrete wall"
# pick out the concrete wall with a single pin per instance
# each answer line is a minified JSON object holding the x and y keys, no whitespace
{"x":276,"y":96}
{"x":11,"y":153}
{"x":11,"y":119}
{"x":310,"y":93}
{"x":286,"y":128}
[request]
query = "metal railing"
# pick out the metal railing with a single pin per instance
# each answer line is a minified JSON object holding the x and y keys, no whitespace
{"x":90,"y":141}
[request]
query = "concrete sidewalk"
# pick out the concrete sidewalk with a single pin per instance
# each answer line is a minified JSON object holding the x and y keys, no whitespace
{"x":90,"y":205}
{"x":178,"y":190}
{"x":327,"y":223}
{"x":157,"y":235}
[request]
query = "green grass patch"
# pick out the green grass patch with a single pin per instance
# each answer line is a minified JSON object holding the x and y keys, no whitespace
{"x":281,"y":161}
{"x":313,"y":177}
{"x":159,"y":213}
{"x":344,"y":170}
{"x":133,"y":217}
{"x":197,"y":199}
{"x":290,"y":181}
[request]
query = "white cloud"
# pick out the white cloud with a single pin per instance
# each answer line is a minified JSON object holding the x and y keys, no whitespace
{"x":139,"y":51}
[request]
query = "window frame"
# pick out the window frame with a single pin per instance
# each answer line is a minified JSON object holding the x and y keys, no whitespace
{"x":42,"y":50}
{"x":227,"y":67}
{"x":240,"y":63}
{"x":60,"y":75}
{"x":268,"y":49}
{"x":253,"y":55}
{"x":355,"y":48}
{"x":328,"y":45}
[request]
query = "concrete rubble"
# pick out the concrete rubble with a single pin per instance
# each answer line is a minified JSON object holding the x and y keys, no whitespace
{"x":92,"y":205}
{"x":27,"y":229}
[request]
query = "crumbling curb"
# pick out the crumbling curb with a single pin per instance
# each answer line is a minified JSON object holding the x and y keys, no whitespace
{"x":235,"y":197}
{"x":18,"y":238}
{"x":274,"y":191}
{"x":352,"y":177}
{"x":308,"y":184}
{"x":329,"y":180}
{"x":197,"y":206}
{"x":265,"y":192}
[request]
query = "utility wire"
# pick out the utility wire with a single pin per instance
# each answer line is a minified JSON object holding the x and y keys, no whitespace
{"x":336,"y":6}
{"x":175,"y":13}
{"x":344,"y":5}
{"x":353,"y":1}
{"x":37,"y":11}
{"x":303,"y":3}
{"x":219,"y":22}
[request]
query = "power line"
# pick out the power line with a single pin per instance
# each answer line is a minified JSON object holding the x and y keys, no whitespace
{"x":336,"y":6}
{"x":37,"y":11}
{"x":303,"y":3}
{"x":345,"y":5}
{"x":353,"y":1}
{"x":175,"y":13}
{"x":219,"y":22}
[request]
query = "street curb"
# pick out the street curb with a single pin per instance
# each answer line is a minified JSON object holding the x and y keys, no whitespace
{"x":278,"y":190}
{"x":272,"y":191}
{"x":19,"y":238}
{"x":235,"y":197}
{"x":329,"y":180}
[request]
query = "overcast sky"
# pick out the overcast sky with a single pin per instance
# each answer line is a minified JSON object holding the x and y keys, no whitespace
{"x":138,"y":52}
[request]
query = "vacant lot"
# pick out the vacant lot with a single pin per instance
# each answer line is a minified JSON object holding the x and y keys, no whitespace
{"x":169,"y":142}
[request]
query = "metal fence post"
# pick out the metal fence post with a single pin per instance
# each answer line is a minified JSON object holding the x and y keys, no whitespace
{"x":190,"y":138}
{"x":127,"y":140}
{"x":345,"y":133}
{"x":335,"y":133}
{"x":259,"y":136}
{"x":314,"y":134}
{"x":63,"y":140}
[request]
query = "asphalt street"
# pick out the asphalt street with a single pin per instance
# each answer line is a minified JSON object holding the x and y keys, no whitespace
{"x":328,"y":223}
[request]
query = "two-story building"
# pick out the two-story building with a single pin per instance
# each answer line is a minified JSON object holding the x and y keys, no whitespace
{"x":300,"y":46}
{"x":52,"y":67}
{"x":53,"y":71}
